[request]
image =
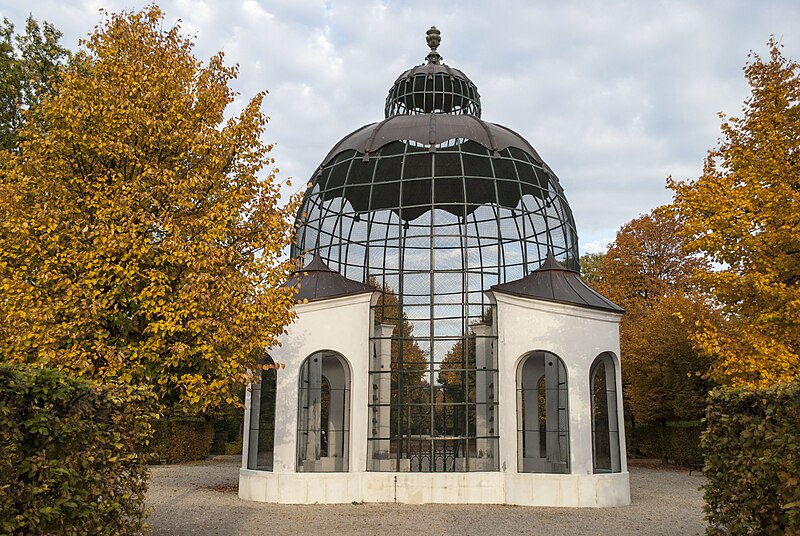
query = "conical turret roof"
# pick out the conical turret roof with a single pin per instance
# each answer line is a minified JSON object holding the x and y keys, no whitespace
{"x":318,"y":282}
{"x":553,"y":282}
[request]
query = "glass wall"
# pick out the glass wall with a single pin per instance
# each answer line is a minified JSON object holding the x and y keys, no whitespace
{"x":434,"y":230}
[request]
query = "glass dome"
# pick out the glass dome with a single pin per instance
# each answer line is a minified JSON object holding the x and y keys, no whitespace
{"x":433,"y":206}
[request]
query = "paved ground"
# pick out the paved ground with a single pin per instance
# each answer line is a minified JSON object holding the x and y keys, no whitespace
{"x":200,"y":498}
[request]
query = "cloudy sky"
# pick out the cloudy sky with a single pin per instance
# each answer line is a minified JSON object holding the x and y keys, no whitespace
{"x":614,"y":95}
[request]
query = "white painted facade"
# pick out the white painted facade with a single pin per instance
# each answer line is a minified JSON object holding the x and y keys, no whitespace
{"x":577,"y":335}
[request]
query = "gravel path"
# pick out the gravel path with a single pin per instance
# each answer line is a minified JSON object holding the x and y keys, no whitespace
{"x":200,"y":498}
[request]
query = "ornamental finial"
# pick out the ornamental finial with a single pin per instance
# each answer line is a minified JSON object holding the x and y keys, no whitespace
{"x":434,"y":39}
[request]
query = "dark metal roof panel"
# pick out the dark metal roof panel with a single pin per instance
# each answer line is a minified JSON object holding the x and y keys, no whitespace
{"x":553,"y":282}
{"x":431,"y":130}
{"x":317,"y":282}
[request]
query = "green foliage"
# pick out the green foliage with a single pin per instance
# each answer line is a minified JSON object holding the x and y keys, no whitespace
{"x":31,"y":65}
{"x":678,"y":443}
{"x":591,"y":271}
{"x":71,"y":461}
{"x":179,"y":440}
{"x":752,"y":444}
{"x":227,"y":434}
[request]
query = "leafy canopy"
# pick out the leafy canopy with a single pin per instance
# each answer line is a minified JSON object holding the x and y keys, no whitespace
{"x":647,"y":272}
{"x":31,"y":65}
{"x":141,"y":241}
{"x":742,"y":213}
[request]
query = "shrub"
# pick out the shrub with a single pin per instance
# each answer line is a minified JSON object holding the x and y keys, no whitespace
{"x":227,"y":434}
{"x":70,"y":460}
{"x":182,"y":439}
{"x":752,"y":444}
{"x":679,"y":442}
{"x":684,"y":443}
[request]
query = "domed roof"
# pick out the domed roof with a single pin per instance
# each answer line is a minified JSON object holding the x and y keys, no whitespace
{"x":432,"y":206}
{"x":431,"y":131}
{"x":433,"y":88}
{"x":431,"y":173}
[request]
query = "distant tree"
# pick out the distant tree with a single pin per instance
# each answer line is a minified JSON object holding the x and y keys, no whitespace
{"x":590,"y":268}
{"x":646,"y":271}
{"x":409,"y":385}
{"x":743,"y":214}
{"x":387,"y":311}
{"x":138,"y":240}
{"x":666,"y":374}
{"x":31,"y":65}
{"x":457,"y":376}
{"x":646,"y":262}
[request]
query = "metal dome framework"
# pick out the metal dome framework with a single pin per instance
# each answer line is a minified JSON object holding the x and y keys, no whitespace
{"x":434,"y":206}
{"x":433,"y":89}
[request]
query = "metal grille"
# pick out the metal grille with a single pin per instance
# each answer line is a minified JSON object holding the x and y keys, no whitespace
{"x":262,"y":420}
{"x":442,"y":90}
{"x":433,"y":226}
{"x":605,"y":421}
{"x":323,"y":414}
{"x":542,"y":414}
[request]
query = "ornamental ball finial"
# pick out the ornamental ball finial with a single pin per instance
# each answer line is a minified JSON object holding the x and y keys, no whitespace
{"x":434,"y":39}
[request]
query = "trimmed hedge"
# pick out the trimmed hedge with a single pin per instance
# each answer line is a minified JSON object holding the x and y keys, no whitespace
{"x":227,"y":434}
{"x":752,"y":444}
{"x":678,"y":443}
{"x":70,"y":459}
{"x":181,"y":439}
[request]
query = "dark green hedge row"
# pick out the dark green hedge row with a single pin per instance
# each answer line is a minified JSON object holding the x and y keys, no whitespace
{"x":677,"y":443}
{"x":182,"y":439}
{"x":752,"y":444}
{"x":227,"y":433}
{"x":70,"y":460}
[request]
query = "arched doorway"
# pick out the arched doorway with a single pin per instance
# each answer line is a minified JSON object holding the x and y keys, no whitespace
{"x":323,"y":422}
{"x":262,"y":419}
{"x":605,"y":419}
{"x":542,"y":414}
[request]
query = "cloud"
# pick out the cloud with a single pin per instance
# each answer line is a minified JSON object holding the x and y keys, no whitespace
{"x":614,"y":95}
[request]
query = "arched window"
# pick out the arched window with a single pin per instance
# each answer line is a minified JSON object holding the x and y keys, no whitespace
{"x":262,"y":420}
{"x":542,"y":414}
{"x":605,"y":421}
{"x":323,"y":416}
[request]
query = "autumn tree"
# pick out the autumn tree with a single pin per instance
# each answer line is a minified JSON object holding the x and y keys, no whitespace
{"x":742,"y":213}
{"x":647,"y":272}
{"x":139,"y":239}
{"x":409,"y":384}
{"x":387,"y":311}
{"x":31,"y":65}
{"x":457,"y":376}
{"x":591,"y":268}
{"x":646,"y":262}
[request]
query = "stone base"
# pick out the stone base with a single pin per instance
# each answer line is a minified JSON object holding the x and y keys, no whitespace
{"x":419,"y":488}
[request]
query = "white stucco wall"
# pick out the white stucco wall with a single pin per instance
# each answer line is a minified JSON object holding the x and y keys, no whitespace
{"x":337,"y":324}
{"x":576,"y":335}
